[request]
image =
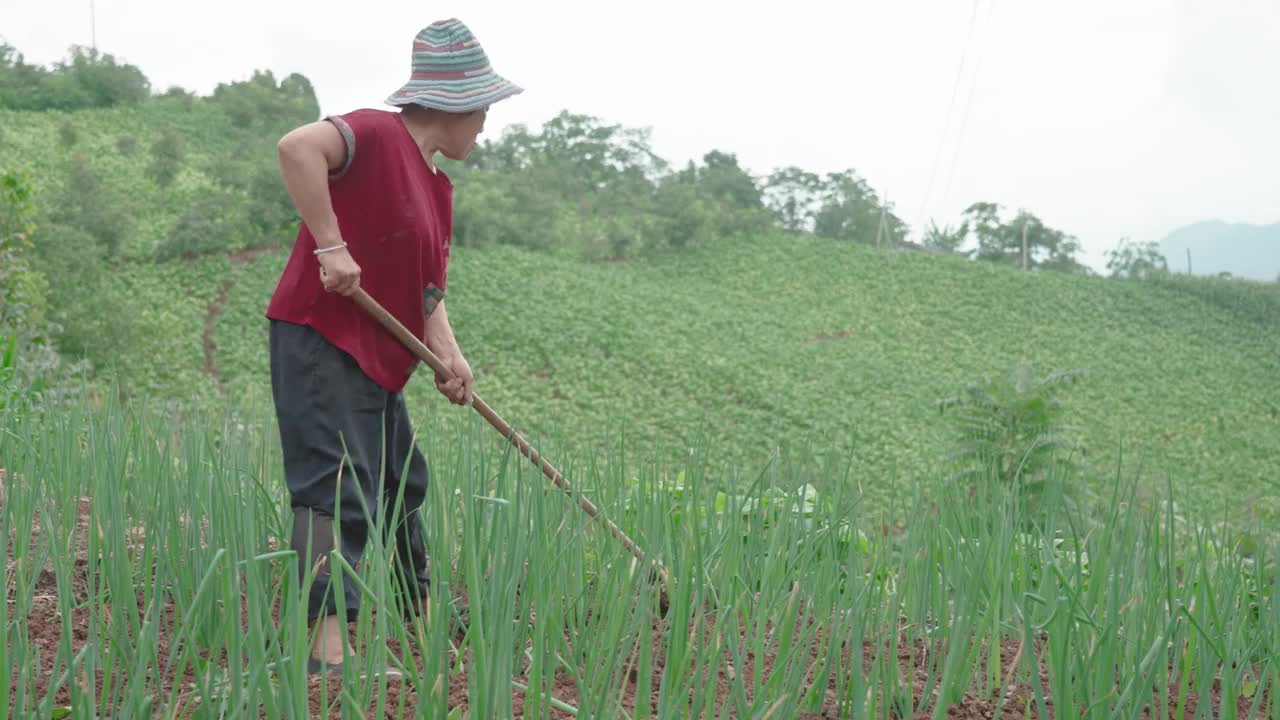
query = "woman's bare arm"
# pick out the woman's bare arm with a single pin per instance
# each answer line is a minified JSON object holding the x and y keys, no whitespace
{"x":307,"y":156}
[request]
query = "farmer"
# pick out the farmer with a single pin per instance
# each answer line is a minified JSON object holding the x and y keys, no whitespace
{"x":376,"y":215}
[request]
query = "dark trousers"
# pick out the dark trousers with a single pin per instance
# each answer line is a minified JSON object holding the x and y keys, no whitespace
{"x":348,"y":450}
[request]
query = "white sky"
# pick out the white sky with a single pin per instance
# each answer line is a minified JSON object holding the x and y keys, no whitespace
{"x":1107,"y":119}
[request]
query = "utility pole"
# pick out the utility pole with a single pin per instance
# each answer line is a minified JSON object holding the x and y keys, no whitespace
{"x":880,"y":227}
{"x":1024,"y":245}
{"x":93,"y":24}
{"x":1188,"y":261}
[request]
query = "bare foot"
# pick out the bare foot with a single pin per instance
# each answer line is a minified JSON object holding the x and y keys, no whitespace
{"x":331,"y":640}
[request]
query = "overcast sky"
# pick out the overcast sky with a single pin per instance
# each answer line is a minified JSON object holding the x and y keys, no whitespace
{"x":1107,"y":119}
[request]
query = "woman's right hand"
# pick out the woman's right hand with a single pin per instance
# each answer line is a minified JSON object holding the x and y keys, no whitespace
{"x":339,"y":272}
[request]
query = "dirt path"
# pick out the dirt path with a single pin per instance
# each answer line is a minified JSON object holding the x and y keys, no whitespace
{"x":238,"y":259}
{"x":215,"y":309}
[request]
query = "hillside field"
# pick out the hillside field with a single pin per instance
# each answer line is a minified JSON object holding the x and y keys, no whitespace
{"x":795,"y":345}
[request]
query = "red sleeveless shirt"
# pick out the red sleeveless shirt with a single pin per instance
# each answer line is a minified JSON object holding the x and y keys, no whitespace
{"x":396,"y":217}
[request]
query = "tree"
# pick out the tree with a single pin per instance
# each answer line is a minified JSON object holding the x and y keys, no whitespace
{"x":794,"y":196}
{"x":1136,"y":260}
{"x":103,"y":80}
{"x":584,"y":186}
{"x":946,"y":238}
{"x":704,"y":203}
{"x":20,"y":83}
{"x":724,"y":180}
{"x":600,"y":156}
{"x":86,"y":79}
{"x":1002,"y":242}
{"x":261,"y":102}
{"x":851,"y":211}
{"x":179,"y":96}
{"x":300,"y":96}
{"x":514,"y":151}
{"x":707,"y":201}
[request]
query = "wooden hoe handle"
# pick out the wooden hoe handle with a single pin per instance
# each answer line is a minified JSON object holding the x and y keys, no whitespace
{"x":418,"y":348}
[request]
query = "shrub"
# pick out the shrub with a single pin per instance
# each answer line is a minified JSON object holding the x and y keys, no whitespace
{"x":93,"y":206}
{"x":167,"y":154}
{"x":270,"y":211}
{"x":1013,"y":429}
{"x":232,"y":173}
{"x":26,"y":358}
{"x":207,"y":226}
{"x":68,"y":135}
{"x":21,"y":301}
{"x":91,"y":324}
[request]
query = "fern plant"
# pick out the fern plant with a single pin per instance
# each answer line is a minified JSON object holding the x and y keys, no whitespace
{"x":1013,"y":429}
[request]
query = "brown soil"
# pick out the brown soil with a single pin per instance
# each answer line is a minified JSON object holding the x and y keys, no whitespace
{"x":248,"y":255}
{"x":44,"y":629}
{"x":44,"y":626}
{"x":830,"y":337}
{"x":206,"y":338}
{"x":78,"y":537}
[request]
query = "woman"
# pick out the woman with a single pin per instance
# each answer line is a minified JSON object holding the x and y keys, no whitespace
{"x":377,"y":215}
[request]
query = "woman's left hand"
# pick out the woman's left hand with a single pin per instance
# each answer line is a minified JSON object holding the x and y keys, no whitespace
{"x":458,"y":389}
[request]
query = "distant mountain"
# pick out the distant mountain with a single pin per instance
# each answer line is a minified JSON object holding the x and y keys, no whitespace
{"x":1251,"y":251}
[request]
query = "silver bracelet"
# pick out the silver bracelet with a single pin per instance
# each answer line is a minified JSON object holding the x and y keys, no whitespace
{"x":321,"y":251}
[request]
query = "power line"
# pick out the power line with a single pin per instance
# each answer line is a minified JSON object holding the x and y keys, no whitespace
{"x":968,"y":103}
{"x":955,"y":91}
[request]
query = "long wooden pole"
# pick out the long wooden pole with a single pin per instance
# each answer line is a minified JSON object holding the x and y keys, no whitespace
{"x":419,"y":349}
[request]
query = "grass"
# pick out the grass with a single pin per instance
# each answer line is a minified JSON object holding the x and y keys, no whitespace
{"x":787,"y":596}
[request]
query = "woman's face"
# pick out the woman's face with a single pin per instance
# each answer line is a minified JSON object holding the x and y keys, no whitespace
{"x":463,"y":131}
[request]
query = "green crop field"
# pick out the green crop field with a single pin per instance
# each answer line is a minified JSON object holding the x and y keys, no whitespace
{"x":848,"y":350}
{"x":147,"y":579}
{"x":799,"y":345}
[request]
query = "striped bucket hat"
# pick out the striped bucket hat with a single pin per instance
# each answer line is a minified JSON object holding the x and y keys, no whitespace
{"x":451,"y":72}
